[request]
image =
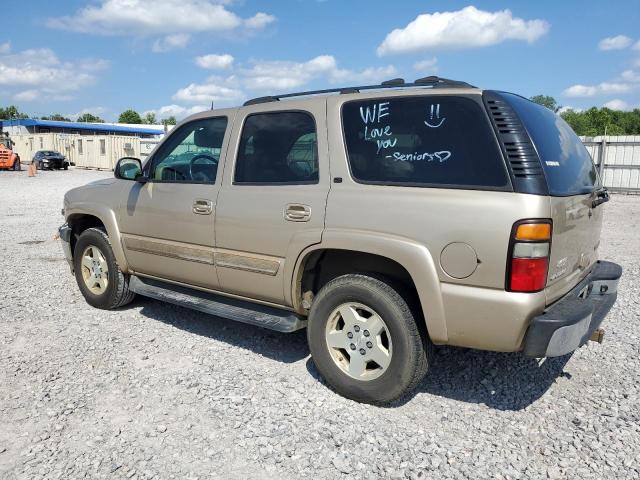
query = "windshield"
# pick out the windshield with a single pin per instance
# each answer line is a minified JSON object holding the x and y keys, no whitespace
{"x":567,"y":165}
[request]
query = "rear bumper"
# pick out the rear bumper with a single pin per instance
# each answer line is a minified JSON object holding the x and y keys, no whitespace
{"x":568,"y":323}
{"x":65,"y":238}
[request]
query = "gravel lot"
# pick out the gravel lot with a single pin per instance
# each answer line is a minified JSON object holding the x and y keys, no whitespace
{"x":158,"y":391}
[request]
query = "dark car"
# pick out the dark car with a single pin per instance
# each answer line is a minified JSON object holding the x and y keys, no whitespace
{"x":49,"y":159}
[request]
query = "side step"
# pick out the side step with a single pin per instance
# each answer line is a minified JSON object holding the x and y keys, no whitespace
{"x":219,"y":305}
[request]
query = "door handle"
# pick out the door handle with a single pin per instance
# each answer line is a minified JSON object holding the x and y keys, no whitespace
{"x":295,"y":212}
{"x":202,"y":207}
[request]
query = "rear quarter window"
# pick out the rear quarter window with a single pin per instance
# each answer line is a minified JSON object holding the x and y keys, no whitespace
{"x":567,"y":165}
{"x":440,"y":141}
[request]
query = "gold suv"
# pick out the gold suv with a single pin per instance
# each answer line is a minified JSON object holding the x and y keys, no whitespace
{"x":384,"y":219}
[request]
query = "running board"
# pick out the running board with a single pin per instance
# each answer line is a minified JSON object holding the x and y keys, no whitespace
{"x":218,"y":305}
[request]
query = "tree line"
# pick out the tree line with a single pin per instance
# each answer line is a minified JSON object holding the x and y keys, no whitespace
{"x":128,"y":116}
{"x":595,"y":121}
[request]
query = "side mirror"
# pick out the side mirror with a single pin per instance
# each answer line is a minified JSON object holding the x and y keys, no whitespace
{"x":128,"y":168}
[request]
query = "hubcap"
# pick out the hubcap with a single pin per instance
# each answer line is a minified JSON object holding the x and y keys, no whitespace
{"x":358,"y":341}
{"x":95,"y":271}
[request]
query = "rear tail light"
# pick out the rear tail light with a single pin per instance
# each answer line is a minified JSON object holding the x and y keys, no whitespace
{"x":529,"y":256}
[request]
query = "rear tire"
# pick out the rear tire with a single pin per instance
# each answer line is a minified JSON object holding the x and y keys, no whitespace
{"x":16,"y":166}
{"x":101,"y":281}
{"x":345,"y":310}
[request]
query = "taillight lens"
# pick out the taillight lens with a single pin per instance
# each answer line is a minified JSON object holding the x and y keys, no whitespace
{"x":529,"y":262}
{"x":528,"y":274}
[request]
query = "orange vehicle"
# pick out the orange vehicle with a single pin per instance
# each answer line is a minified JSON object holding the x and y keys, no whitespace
{"x":9,"y":160}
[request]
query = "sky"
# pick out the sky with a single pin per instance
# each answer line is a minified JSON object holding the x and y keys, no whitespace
{"x":176,"y":57}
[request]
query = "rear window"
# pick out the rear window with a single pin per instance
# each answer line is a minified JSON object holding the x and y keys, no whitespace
{"x":441,"y":141}
{"x":567,"y":165}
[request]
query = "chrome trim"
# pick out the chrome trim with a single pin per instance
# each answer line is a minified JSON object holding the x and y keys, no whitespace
{"x":247,"y":263}
{"x":190,"y":253}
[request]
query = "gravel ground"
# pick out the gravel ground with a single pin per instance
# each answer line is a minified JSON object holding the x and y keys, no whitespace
{"x":158,"y":391}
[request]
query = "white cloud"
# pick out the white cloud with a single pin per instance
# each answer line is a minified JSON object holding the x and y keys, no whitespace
{"x":636,"y":46}
{"x":176,"y":111}
{"x":568,"y":108}
{"x":259,"y":21}
{"x":174,"y":41}
{"x":216,"y":89}
{"x":98,"y":111}
{"x":37,"y":73}
{"x":617,"y":104}
{"x":430,"y":65}
{"x":273,"y":77}
{"x":26,"y":96}
{"x":215,"y":62}
{"x":604,"y":88}
{"x":464,"y":28}
{"x":5,"y":48}
{"x":614,"y":43}
{"x":630,"y":76}
{"x":286,"y":75}
{"x":580,"y":91}
{"x":149,"y":17}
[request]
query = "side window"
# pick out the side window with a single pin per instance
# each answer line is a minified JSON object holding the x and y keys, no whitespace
{"x":278,"y":147}
{"x":191,"y":153}
{"x":434,"y":140}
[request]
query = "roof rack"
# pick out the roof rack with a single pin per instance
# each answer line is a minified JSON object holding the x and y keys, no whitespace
{"x":432,"y":81}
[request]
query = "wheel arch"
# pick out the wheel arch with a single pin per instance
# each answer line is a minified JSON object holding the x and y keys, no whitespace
{"x":400,"y":258}
{"x":80,"y":220}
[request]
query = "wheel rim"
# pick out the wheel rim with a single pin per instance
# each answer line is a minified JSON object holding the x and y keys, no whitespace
{"x":95,"y":270}
{"x":358,"y":341}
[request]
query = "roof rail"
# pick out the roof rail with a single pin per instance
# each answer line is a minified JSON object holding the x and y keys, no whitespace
{"x":432,"y":81}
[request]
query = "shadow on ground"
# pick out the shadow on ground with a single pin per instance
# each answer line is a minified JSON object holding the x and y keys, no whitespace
{"x":285,"y":348}
{"x":504,"y":381}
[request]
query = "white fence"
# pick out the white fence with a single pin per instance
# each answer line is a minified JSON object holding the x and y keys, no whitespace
{"x":618,"y":161}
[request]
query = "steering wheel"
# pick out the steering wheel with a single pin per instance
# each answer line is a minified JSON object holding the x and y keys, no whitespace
{"x":201,"y":156}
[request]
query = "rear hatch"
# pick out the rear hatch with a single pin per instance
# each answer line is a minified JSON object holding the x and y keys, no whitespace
{"x":573,"y":184}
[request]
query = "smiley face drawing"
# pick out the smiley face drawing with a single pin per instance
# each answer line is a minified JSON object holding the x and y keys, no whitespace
{"x":434,"y":117}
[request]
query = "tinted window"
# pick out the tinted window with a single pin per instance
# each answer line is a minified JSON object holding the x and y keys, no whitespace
{"x":191,"y":153}
{"x":567,"y":165}
{"x":278,"y":147}
{"x":434,"y":140}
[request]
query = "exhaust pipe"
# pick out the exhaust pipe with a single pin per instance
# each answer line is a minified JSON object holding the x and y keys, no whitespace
{"x":597,"y":335}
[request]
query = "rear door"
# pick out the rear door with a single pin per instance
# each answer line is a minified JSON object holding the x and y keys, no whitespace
{"x":273,"y":198}
{"x":572,"y":180}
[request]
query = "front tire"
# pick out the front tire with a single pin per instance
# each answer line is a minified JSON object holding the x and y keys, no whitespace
{"x":365,"y":340}
{"x":101,"y":281}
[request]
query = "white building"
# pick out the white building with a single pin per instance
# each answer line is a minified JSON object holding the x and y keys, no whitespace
{"x":89,"y":145}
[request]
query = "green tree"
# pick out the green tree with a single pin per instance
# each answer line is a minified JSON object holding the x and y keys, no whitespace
{"x":11,"y":112}
{"x":89,"y":118}
{"x":129,"y":116}
{"x":600,"y":121}
{"x":150,"y":118}
{"x":169,"y":120}
{"x":57,"y":117}
{"x":546,"y":101}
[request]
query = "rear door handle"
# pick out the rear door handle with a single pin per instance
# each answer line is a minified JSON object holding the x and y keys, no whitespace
{"x":296,"y":212}
{"x":202,"y":207}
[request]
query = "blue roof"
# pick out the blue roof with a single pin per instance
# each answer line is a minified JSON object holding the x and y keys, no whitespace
{"x":99,"y":127}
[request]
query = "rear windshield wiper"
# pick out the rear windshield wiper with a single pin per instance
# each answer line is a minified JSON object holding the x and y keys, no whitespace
{"x":599,"y":197}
